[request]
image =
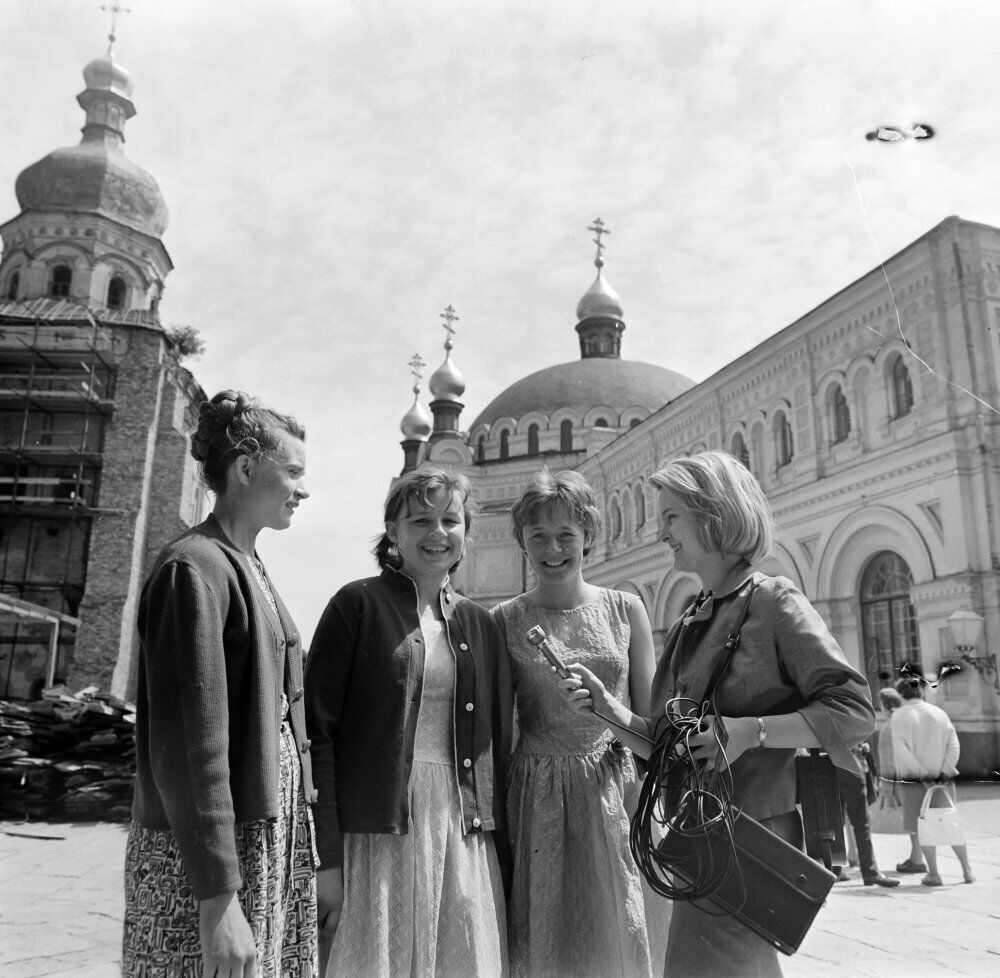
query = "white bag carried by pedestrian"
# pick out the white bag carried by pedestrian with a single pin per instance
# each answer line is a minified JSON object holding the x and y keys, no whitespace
{"x":939,"y":826}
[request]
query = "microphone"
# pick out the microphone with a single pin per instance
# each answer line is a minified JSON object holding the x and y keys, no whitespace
{"x":537,"y":637}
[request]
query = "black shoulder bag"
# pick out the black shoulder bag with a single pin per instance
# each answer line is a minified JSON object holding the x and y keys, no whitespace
{"x":692,"y":842}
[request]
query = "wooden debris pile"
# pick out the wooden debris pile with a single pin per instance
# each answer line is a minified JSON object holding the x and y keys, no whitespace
{"x":67,"y":757}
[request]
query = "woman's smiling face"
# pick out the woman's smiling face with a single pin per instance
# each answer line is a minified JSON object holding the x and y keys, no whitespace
{"x":430,"y":537}
{"x":555,"y":545}
{"x":679,"y":530}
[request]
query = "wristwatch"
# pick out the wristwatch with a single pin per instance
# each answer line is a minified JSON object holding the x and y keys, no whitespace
{"x":761,"y":732}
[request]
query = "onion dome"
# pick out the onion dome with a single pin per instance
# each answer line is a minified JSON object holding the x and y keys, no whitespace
{"x":447,"y":382}
{"x":600,"y":301}
{"x":416,"y":423}
{"x":96,"y":177}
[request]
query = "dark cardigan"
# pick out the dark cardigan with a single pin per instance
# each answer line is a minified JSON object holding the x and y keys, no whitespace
{"x":364,"y":678}
{"x":212,"y":663}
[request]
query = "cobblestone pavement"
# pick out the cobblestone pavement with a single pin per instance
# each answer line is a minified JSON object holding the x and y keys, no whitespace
{"x":61,"y":906}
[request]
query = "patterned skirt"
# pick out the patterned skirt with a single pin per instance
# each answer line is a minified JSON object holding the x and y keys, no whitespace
{"x":278,"y":896}
{"x":428,"y":904}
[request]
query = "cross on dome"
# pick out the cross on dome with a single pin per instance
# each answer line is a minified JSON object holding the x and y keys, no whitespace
{"x":599,"y":229}
{"x":114,"y":9}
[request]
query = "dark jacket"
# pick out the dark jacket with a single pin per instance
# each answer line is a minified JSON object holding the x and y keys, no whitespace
{"x":213,"y":659}
{"x":364,"y":677}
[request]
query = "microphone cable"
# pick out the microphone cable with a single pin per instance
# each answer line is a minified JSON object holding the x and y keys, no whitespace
{"x":681,"y":834}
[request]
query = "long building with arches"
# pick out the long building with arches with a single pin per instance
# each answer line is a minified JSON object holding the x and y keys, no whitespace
{"x":871,"y":423}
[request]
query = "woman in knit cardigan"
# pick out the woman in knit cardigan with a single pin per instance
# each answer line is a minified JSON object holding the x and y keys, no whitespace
{"x":219,"y":871}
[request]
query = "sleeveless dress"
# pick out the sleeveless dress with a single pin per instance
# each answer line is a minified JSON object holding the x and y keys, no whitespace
{"x":576,"y":906}
{"x":428,"y":903}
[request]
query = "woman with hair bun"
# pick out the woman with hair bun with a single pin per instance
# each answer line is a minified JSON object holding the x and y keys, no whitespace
{"x":219,"y":867}
{"x":408,"y":704}
{"x":576,"y":905}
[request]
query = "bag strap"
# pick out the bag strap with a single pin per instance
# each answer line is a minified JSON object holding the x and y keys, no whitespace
{"x":729,"y":649}
{"x":929,"y":793}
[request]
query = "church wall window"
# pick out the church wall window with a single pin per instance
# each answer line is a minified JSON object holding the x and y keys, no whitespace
{"x":505,"y":444}
{"x":640,"y":506}
{"x":116,"y":293}
{"x":783,"y":446}
{"x":888,"y":621}
{"x":738,"y":449}
{"x":902,"y":388}
{"x":635,"y":422}
{"x":616,"y":520}
{"x":62,"y":279}
{"x":481,"y":449}
{"x":533,"y":439}
{"x":601,"y":423}
{"x":13,"y":285}
{"x":566,"y":436}
{"x":840,"y":416}
{"x":757,"y":451}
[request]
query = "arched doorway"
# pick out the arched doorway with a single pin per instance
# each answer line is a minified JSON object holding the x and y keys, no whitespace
{"x":888,"y":622}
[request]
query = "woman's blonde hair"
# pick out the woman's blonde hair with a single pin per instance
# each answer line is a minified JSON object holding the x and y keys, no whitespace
{"x":730,"y":509}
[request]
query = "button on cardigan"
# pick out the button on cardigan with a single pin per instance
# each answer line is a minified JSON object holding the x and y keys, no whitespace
{"x":213,"y":662}
{"x":364,"y":678}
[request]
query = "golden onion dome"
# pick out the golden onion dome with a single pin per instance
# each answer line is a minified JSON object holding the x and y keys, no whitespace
{"x":416,"y":424}
{"x":600,"y":301}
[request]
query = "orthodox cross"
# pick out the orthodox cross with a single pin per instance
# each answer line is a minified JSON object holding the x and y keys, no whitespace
{"x":449,"y":316}
{"x":599,"y":229}
{"x":114,"y":9}
{"x":416,"y":364}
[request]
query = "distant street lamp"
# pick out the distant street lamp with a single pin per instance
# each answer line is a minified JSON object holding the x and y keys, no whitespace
{"x":966,"y":627}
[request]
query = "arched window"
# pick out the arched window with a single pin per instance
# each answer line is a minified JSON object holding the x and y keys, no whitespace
{"x":505,"y":444}
{"x":566,"y":436}
{"x":640,"y":506}
{"x":902,"y":389}
{"x":840,"y":416}
{"x":888,"y":623}
{"x":783,"y":447}
{"x":116,"y":293}
{"x":62,"y":279}
{"x":738,"y":449}
{"x":635,"y":422}
{"x":532,"y":439}
{"x":601,"y":423}
{"x":616,"y":520}
{"x":13,"y":285}
{"x":481,"y":449}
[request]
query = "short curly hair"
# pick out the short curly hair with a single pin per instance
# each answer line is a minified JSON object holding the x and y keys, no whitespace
{"x":546,"y":491}
{"x":728,"y":504}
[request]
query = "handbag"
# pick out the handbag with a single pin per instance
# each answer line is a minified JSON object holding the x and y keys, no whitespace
{"x":769,"y":885}
{"x":772,"y":887}
{"x":939,"y":826}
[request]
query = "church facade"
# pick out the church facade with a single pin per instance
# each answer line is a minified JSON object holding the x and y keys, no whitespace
{"x":95,"y":406}
{"x":871,"y":423}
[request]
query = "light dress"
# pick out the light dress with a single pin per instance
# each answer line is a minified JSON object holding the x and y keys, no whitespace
{"x":576,"y":906}
{"x":428,"y":903}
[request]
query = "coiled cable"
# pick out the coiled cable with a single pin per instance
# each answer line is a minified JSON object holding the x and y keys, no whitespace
{"x":681,"y":834}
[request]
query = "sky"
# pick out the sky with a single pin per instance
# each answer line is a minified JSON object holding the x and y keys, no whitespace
{"x":339,"y":172}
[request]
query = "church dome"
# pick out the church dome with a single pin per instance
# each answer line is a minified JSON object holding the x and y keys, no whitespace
{"x":96,"y":177}
{"x":416,"y":423}
{"x":599,"y":301}
{"x":584,"y":384}
{"x":105,"y":73}
{"x":447,"y":382}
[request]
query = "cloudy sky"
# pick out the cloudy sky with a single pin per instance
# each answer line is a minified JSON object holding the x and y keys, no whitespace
{"x":338,"y":172}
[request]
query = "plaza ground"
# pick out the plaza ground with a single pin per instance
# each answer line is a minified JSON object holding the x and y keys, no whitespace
{"x":61,"y":906}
